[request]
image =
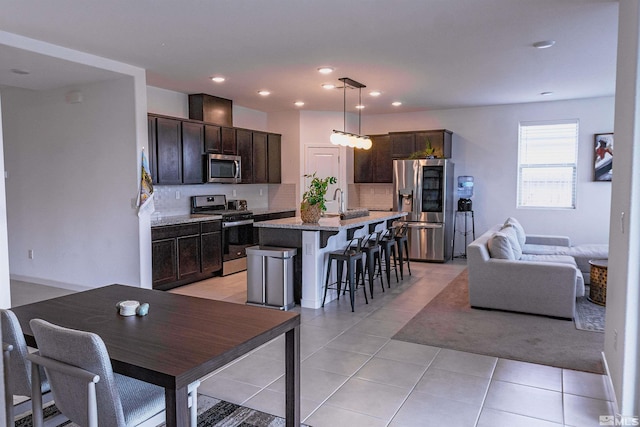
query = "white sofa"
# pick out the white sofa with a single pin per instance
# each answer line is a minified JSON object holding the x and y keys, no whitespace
{"x":502,"y":276}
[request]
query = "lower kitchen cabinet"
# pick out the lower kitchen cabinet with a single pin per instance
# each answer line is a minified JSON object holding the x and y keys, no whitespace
{"x":185,"y":253}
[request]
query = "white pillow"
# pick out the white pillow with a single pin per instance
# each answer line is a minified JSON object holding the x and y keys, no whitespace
{"x":522,"y":237}
{"x":500,"y":246}
{"x":511,"y":232}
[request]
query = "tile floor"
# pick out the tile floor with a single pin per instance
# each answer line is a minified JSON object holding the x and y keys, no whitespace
{"x":354,"y":374}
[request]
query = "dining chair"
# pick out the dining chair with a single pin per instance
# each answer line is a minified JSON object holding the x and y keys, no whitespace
{"x":18,"y":379}
{"x":86,"y":389}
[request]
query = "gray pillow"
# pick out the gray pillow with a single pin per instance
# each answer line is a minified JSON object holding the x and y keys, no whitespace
{"x":511,"y":232}
{"x":500,"y":246}
{"x":522,"y":236}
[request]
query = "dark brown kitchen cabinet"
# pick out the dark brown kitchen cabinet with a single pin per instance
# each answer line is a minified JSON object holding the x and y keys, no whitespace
{"x":228,"y":137}
{"x":185,"y":253}
{"x":403,"y":144}
{"x":211,"y":246}
{"x":244,"y":143}
{"x":376,"y":164}
{"x":168,"y":147}
{"x":260,"y":161}
{"x":175,"y":255}
{"x":151,"y":148}
{"x":212,"y":139}
{"x":274,"y":158}
{"x":192,"y":152}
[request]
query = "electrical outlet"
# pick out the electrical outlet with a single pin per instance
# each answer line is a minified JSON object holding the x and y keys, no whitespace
{"x":30,"y":253}
{"x":233,"y":193}
{"x":261,"y":191}
{"x":177,"y":195}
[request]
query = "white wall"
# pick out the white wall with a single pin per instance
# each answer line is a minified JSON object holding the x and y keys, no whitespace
{"x":5,"y":294}
{"x":622,"y":343}
{"x":72,"y":175}
{"x":485,"y":146}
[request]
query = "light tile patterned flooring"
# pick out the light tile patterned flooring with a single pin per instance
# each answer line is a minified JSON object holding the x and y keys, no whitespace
{"x":354,"y":374}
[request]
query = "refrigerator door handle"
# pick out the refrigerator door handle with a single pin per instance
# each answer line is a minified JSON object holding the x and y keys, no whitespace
{"x":425,"y":225}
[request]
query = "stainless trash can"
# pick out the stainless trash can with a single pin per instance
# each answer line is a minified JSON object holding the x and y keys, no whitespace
{"x":270,"y":276}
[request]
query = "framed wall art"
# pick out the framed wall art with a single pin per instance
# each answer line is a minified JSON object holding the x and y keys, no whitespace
{"x":603,"y":157}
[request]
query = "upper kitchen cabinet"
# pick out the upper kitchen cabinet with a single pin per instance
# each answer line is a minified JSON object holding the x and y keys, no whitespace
{"x":260,"y":161}
{"x":274,"y":158}
{"x":228,"y":137}
{"x":177,"y":148}
{"x":151,"y":148}
{"x":192,"y":151}
{"x":404,"y":144}
{"x":168,"y":149}
{"x":212,"y":139}
{"x":244,"y":144}
{"x":211,"y":109}
{"x":375,"y":164}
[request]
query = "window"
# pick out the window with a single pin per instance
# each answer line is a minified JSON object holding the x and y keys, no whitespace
{"x":547,"y":161}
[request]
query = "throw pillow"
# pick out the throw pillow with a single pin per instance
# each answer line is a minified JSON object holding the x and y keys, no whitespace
{"x":522,"y":237}
{"x":511,"y":232}
{"x":500,"y":246}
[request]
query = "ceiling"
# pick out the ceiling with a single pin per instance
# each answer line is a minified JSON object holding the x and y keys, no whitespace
{"x":428,"y":54}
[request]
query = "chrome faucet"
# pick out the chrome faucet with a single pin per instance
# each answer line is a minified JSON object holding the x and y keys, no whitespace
{"x":341,"y":205}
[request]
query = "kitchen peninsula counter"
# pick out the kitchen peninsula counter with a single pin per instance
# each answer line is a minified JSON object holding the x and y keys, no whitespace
{"x":314,"y":242}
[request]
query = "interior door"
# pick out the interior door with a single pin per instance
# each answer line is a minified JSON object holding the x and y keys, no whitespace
{"x":325,"y":161}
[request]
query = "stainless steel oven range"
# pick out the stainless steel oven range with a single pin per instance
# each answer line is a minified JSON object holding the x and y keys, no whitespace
{"x":237,"y":230}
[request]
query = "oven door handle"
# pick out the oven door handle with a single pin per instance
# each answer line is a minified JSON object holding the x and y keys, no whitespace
{"x":237,"y":223}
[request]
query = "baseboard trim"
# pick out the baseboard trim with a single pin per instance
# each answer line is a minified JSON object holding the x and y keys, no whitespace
{"x":611,"y":390}
{"x":47,"y":282}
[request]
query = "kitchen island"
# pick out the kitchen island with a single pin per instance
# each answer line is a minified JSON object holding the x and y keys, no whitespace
{"x":314,"y":242}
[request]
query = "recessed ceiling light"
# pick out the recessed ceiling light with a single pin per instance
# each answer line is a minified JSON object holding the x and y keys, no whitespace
{"x":396,"y":103}
{"x":218,"y":79}
{"x":298,"y":103}
{"x":544,"y":44}
{"x":325,"y":70}
{"x":546,"y":93}
{"x":329,"y":86}
{"x":375,"y":93}
{"x":20,"y":71}
{"x":264,"y":93}
{"x":360,"y":107}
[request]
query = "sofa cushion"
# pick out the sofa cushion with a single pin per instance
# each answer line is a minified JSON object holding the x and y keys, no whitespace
{"x":586,"y":252}
{"x":500,"y":246}
{"x":510,"y":231}
{"x":522,"y":236}
{"x":563,"y":259}
{"x":532,"y":249}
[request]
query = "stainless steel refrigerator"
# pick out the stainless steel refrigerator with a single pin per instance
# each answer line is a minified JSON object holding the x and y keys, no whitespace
{"x":424,"y":188}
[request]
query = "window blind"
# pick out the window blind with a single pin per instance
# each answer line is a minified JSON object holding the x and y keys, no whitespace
{"x":547,"y":163}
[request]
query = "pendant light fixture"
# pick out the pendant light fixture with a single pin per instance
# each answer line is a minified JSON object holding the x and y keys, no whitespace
{"x":343,"y":137}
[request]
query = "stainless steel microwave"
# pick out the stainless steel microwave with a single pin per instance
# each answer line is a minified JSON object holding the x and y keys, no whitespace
{"x":222,"y":168}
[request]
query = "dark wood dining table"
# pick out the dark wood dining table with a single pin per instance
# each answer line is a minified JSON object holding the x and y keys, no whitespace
{"x":181,"y":340}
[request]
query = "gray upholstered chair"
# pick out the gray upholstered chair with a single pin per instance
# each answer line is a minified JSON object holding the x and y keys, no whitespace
{"x":18,"y":369}
{"x":85,"y":387}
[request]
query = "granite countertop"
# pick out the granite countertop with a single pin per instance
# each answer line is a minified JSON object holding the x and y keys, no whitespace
{"x":187,"y":218}
{"x":332,"y":223}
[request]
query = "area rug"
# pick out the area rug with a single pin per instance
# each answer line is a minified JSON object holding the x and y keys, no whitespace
{"x":449,"y":322}
{"x":212,"y":412}
{"x":589,"y":316}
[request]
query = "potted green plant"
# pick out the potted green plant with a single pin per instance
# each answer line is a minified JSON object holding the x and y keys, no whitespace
{"x":312,"y":204}
{"x":427,"y":153}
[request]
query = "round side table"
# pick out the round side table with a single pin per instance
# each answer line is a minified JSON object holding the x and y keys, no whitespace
{"x":598,"y":286}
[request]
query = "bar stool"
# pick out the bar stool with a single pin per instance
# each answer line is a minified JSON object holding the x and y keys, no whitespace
{"x":389,"y":247}
{"x":353,"y":257}
{"x":371,"y":248}
{"x":403,"y":248}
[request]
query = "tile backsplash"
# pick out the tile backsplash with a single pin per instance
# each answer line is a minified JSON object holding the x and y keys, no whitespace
{"x":371,"y":196}
{"x":172,"y":200}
